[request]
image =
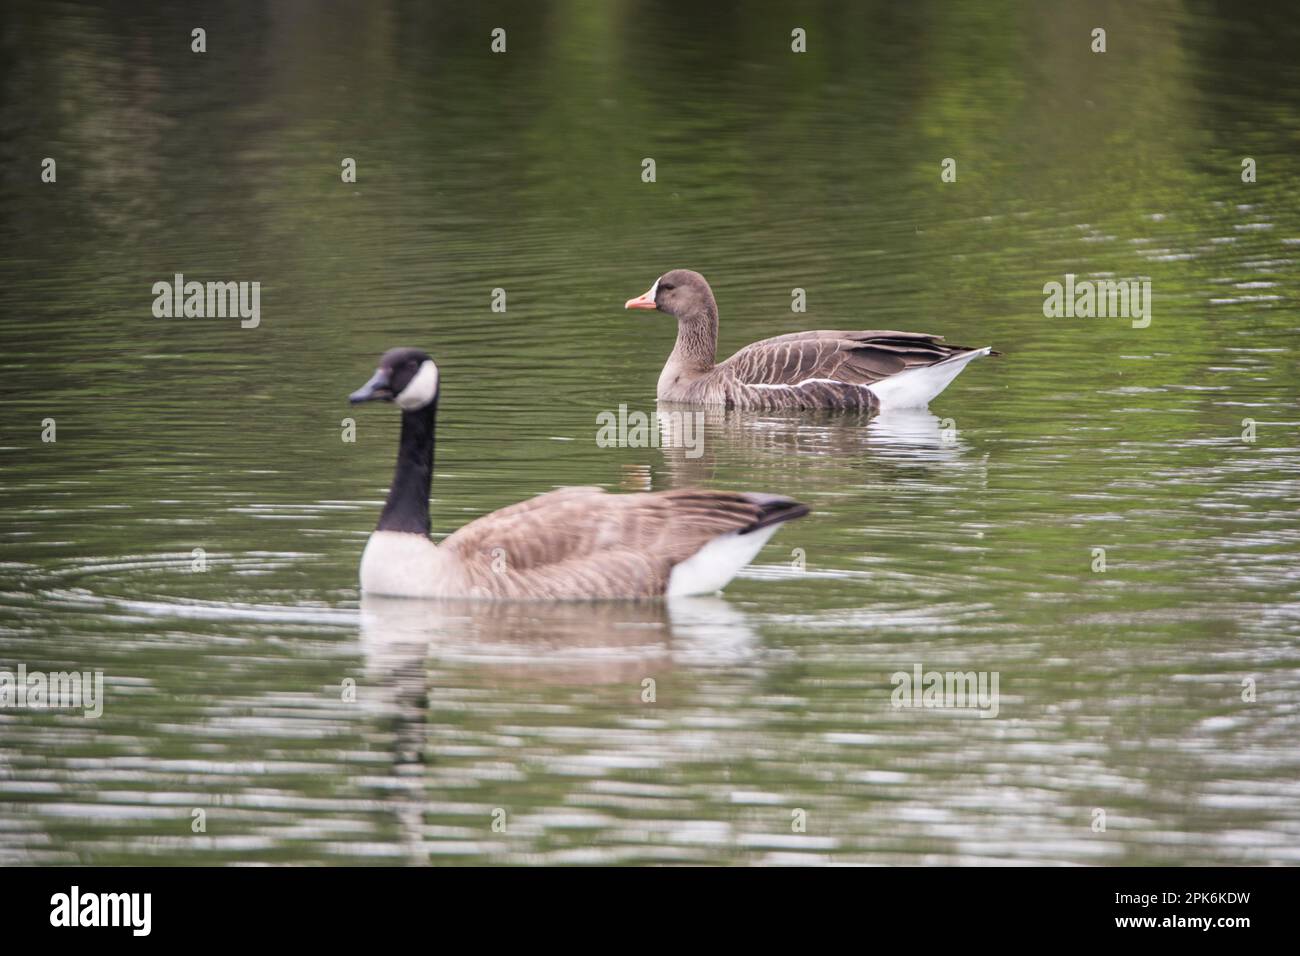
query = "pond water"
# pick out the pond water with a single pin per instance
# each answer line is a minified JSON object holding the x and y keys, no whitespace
{"x":194,"y":531}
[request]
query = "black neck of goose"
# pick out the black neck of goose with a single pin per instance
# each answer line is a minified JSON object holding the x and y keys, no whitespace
{"x":407,"y":507}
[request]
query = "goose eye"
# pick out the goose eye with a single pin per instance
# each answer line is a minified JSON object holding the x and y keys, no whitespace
{"x":664,"y":286}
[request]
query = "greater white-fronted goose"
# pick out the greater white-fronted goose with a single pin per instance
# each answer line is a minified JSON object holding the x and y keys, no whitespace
{"x":871,"y":370}
{"x":567,"y":544}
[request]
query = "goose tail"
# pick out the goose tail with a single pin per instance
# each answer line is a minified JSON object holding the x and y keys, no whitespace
{"x":774,"y":510}
{"x":720,"y":560}
{"x":915,"y":387}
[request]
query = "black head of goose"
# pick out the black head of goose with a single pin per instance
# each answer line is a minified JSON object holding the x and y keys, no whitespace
{"x":566,"y":544}
{"x":868,"y":370}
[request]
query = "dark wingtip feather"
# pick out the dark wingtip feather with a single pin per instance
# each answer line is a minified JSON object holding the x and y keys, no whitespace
{"x":774,"y":509}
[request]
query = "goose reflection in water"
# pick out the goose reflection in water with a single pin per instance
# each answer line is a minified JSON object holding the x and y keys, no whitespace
{"x":568,"y":642}
{"x":775,"y":443}
{"x":410,"y":645}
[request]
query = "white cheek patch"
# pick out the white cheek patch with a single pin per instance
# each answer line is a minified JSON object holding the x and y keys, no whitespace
{"x":653,"y":290}
{"x":421,"y":389}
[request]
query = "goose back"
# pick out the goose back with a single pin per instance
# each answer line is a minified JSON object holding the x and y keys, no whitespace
{"x":586,"y":541}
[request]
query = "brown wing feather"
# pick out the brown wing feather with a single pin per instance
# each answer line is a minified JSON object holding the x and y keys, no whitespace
{"x":856,"y":358}
{"x":584,"y":541}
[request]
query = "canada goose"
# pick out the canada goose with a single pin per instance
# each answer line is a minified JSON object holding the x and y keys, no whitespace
{"x":873,"y":370}
{"x":570,"y":543}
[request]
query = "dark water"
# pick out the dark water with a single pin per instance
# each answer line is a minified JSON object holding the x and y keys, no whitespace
{"x":961,"y":539}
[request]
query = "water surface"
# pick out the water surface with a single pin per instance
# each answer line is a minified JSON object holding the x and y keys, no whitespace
{"x":313,"y":726}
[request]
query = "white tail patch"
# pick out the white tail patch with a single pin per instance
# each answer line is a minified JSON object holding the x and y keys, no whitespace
{"x":915,"y":387}
{"x":714,"y":565}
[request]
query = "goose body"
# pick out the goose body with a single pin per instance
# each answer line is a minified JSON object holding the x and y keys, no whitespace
{"x":864,"y":370}
{"x":567,"y":544}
